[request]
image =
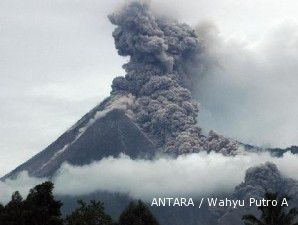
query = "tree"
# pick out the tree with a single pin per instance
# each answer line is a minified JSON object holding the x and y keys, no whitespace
{"x":137,"y":213}
{"x":1,"y":214}
{"x":13,"y":213}
{"x":273,"y":215}
{"x":89,"y":214}
{"x":41,"y":207}
{"x":1,"y":209}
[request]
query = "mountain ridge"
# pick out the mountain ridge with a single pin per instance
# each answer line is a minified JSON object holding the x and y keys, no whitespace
{"x":112,"y":134}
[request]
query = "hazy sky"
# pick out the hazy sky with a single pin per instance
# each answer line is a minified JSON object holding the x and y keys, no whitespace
{"x":57,"y":61}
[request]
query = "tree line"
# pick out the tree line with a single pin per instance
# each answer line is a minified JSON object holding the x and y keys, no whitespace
{"x":41,"y":208}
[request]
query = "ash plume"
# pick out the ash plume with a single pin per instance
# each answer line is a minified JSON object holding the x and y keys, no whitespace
{"x":263,"y":178}
{"x":157,"y":75}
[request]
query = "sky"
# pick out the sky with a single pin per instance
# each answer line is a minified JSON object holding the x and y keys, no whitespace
{"x":57,"y":61}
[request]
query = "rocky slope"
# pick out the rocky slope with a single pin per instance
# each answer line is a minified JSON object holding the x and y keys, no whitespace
{"x":104,"y":131}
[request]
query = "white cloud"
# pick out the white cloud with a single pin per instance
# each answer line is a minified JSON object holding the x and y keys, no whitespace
{"x":189,"y":175}
{"x":23,"y":183}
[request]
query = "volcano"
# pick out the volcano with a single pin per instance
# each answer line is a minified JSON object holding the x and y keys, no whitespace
{"x":149,"y":110}
{"x":93,"y":137}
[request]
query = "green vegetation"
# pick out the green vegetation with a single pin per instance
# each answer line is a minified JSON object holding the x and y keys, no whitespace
{"x":41,"y":208}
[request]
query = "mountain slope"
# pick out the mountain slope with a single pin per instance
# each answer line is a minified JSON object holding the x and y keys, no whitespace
{"x":92,"y":138}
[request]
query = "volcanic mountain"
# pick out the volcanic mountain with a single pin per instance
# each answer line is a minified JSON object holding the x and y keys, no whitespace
{"x":105,"y":131}
{"x":150,"y":109}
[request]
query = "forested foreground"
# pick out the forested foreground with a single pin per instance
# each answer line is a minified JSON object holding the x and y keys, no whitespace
{"x":41,"y":208}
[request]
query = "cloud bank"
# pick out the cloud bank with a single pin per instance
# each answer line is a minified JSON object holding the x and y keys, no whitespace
{"x":190,"y":175}
{"x":249,"y":91}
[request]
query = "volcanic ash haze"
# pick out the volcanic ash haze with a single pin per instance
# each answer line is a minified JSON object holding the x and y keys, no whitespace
{"x":157,"y":76}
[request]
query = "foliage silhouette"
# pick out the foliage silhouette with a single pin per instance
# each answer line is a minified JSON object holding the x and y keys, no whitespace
{"x":40,"y":207}
{"x":89,"y":214}
{"x":273,"y":215}
{"x":137,"y":214}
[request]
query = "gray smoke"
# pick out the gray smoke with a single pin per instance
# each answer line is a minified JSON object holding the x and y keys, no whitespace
{"x":161,"y":51}
{"x":248,"y":90}
{"x":260,"y":179}
{"x":257,"y":181}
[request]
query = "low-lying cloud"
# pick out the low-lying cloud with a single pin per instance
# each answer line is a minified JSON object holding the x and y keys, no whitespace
{"x":190,"y":175}
{"x":23,"y":183}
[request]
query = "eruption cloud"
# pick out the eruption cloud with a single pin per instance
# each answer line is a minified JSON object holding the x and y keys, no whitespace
{"x":157,"y":75}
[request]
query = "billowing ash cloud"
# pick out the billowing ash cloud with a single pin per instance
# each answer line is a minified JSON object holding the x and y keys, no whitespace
{"x":160,"y":52}
{"x":198,"y":174}
{"x":263,"y":178}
